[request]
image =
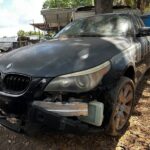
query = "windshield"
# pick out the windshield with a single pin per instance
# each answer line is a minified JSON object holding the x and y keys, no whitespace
{"x":102,"y":25}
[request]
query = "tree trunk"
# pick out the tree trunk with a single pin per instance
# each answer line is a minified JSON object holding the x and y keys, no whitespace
{"x":103,"y":6}
{"x":141,"y":4}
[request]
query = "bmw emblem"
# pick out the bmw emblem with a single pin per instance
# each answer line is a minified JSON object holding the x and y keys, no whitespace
{"x":8,"y":66}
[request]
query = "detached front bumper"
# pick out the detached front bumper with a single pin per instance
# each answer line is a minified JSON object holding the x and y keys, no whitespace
{"x":57,"y":115}
{"x":43,"y":117}
{"x":66,"y":117}
{"x":55,"y":121}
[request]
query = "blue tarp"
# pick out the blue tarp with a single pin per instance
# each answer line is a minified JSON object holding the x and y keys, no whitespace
{"x":146,"y":20}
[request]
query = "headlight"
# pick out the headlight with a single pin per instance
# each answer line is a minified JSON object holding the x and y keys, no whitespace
{"x":80,"y":81}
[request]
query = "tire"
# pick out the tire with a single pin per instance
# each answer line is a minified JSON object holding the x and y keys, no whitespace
{"x":122,"y":97}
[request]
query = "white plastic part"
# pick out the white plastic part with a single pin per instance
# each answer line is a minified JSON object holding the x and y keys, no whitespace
{"x":95,"y":114}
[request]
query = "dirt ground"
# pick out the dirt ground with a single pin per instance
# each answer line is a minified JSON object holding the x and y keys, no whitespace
{"x":137,"y":137}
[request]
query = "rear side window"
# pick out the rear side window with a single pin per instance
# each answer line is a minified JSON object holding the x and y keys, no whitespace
{"x":138,"y":23}
{"x":141,"y":23}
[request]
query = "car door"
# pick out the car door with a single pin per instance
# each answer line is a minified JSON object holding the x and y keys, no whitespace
{"x":144,"y":41}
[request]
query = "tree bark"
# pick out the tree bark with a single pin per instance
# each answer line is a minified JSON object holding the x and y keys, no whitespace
{"x":103,"y":6}
{"x":141,"y":4}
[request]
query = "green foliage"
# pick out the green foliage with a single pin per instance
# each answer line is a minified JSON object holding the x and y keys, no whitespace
{"x":22,"y":33}
{"x":131,"y":3}
{"x":75,"y":3}
{"x":147,"y":9}
{"x":66,"y":3}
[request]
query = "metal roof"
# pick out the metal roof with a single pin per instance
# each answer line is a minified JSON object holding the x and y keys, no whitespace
{"x":57,"y":18}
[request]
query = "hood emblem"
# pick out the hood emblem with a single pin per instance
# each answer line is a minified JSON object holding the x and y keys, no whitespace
{"x":8,"y":66}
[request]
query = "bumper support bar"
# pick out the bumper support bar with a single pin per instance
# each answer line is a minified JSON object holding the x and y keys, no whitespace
{"x":56,"y":122}
{"x":64,"y":109}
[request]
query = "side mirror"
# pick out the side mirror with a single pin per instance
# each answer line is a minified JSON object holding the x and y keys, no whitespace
{"x":144,"y":31}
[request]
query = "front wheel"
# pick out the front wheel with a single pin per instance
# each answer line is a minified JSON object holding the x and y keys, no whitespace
{"x":122,"y":97}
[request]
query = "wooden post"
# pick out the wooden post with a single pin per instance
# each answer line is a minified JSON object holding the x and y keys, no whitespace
{"x":103,"y":6}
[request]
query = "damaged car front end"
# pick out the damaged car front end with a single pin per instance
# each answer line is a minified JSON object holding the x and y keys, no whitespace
{"x":63,"y":102}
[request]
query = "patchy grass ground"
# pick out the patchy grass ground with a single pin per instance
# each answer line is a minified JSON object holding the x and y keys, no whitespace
{"x":137,"y":137}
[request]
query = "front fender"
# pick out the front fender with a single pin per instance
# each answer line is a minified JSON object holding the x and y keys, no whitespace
{"x":119,"y":65}
{"x":124,"y":60}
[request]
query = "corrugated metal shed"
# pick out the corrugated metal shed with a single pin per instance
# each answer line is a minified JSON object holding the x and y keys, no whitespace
{"x":57,"y":17}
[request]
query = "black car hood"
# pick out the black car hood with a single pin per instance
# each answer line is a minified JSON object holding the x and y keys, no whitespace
{"x":62,"y":56}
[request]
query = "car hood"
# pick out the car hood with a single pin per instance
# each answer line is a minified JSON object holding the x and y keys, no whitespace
{"x":62,"y":56}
